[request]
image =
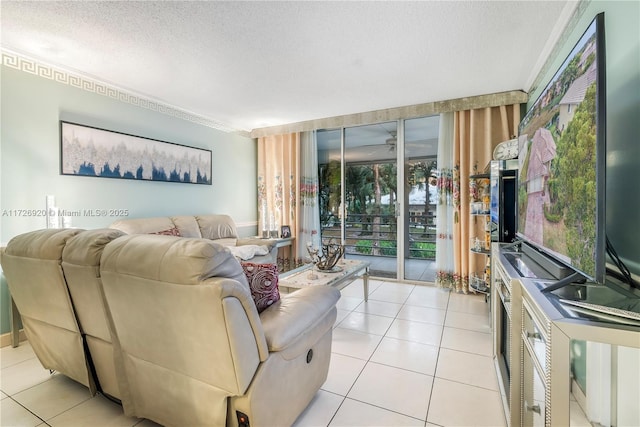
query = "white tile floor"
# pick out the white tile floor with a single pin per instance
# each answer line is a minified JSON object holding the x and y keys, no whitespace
{"x":411,"y":356}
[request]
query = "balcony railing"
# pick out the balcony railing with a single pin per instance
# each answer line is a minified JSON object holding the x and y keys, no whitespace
{"x":364,"y":235}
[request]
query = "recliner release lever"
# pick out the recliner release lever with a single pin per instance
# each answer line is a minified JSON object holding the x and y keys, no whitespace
{"x":243,"y":420}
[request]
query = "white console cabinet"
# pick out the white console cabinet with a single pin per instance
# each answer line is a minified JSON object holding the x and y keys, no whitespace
{"x":566,"y":369}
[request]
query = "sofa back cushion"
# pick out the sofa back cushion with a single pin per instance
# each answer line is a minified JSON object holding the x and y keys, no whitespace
{"x":81,"y":266}
{"x":183,"y":261}
{"x":31,"y":265}
{"x":187,"y":225}
{"x":218,"y":227}
{"x":144,"y":225}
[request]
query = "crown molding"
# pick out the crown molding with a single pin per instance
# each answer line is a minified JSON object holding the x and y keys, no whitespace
{"x":36,"y":67}
{"x":567,"y":22}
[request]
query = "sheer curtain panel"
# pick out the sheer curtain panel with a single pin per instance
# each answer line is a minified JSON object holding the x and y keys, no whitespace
{"x":278,"y":171}
{"x":309,"y":219}
{"x":445,"y":266}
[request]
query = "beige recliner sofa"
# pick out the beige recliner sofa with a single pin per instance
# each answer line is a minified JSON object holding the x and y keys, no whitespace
{"x":31,"y":263}
{"x":191,"y":347}
{"x":185,"y":343}
{"x":54,"y":278}
{"x":81,"y":267}
{"x":218,"y":228}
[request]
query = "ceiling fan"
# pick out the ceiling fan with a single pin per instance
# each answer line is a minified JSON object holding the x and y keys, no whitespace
{"x":392,"y":140}
{"x":376,"y":140}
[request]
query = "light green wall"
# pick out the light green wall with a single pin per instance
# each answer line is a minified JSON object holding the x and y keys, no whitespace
{"x":622,"y":40}
{"x":32,"y":107}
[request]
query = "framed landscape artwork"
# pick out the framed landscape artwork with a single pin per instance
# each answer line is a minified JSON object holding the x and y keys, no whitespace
{"x":90,"y":151}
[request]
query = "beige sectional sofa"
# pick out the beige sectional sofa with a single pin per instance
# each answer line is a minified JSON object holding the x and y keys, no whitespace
{"x":218,"y":228}
{"x":81,"y":267}
{"x":167,"y":325}
{"x":32,"y":265}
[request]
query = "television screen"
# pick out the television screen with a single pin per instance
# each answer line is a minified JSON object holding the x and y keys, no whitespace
{"x":562,"y":161}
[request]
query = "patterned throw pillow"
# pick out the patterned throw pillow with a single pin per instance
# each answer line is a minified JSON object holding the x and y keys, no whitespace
{"x":263,"y":282}
{"x":170,"y":232}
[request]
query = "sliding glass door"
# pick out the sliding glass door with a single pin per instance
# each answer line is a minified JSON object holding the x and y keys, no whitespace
{"x":370,"y":165}
{"x":420,"y":198}
{"x":381,"y":213}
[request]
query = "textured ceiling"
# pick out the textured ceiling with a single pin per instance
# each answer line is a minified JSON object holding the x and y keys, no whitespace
{"x":257,"y":64}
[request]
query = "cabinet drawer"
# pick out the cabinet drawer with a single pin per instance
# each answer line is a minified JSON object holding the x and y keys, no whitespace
{"x":505,"y":295}
{"x":533,"y":397}
{"x":534,"y":334}
{"x":502,"y":285}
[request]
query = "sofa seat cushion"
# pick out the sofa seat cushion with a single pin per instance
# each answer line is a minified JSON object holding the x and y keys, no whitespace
{"x":263,"y":282}
{"x":296,"y":315}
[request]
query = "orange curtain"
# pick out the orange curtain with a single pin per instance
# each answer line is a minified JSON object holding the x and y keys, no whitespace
{"x":476,"y":133}
{"x":278,"y":171}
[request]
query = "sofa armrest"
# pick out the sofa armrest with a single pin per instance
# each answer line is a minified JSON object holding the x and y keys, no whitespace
{"x":296,"y":314}
{"x":256,"y":241}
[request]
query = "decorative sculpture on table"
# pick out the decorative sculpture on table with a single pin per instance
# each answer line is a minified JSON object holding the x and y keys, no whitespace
{"x":324,"y":258}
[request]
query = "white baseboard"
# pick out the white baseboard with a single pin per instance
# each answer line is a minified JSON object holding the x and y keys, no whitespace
{"x":5,"y":339}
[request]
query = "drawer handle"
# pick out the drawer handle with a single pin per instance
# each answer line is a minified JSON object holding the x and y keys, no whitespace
{"x":534,"y":335}
{"x":534,"y":408}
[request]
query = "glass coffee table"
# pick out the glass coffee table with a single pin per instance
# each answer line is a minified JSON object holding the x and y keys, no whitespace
{"x":345,"y":272}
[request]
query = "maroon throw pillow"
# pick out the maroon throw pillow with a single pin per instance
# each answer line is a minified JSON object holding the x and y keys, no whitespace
{"x":170,"y":232}
{"x":263,"y":282}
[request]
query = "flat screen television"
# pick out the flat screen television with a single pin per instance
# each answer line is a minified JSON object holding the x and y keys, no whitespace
{"x":561,"y":185}
{"x":502,"y":209}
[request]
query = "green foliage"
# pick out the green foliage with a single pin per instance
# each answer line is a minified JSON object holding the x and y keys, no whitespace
{"x":576,"y":181}
{"x":329,"y":187}
{"x":554,"y":211}
{"x":358,"y":187}
{"x":425,"y":250}
{"x":552,"y":216}
{"x":590,"y":60}
{"x":419,"y":174}
{"x":388,"y":175}
{"x":364,"y":247}
{"x":388,"y":248}
{"x":569,"y":74}
{"x":522,"y":206}
{"x":364,"y":186}
{"x":361,"y":185}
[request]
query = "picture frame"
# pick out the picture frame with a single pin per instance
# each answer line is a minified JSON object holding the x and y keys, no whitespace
{"x":91,"y":151}
{"x":285,"y":232}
